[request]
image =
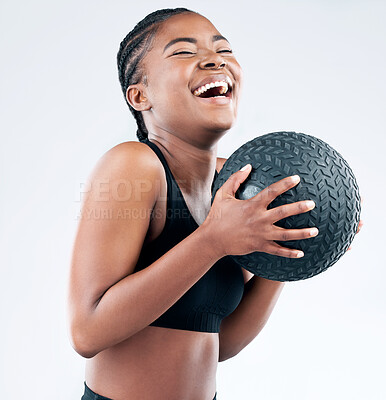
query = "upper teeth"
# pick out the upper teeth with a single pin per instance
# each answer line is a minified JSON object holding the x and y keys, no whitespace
{"x":204,"y":88}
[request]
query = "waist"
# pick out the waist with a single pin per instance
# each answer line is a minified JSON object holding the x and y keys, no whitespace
{"x":157,"y":363}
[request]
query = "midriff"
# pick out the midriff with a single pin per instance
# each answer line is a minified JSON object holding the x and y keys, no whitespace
{"x":157,"y":363}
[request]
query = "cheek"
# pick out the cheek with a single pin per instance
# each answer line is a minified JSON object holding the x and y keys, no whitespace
{"x":241,"y":78}
{"x":237,"y":73}
{"x":170,"y":99}
{"x":235,"y":69}
{"x":171,"y":87}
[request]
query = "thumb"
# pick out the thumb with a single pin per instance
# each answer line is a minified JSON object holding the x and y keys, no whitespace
{"x":231,"y":185}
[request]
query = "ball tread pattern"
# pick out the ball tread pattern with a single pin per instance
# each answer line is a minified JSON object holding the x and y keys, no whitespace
{"x":326,"y":178}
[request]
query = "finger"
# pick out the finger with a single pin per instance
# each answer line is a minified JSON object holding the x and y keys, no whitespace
{"x":277,"y":250}
{"x":268,"y":194}
{"x":230,"y":186}
{"x":282,"y":234}
{"x":286,"y":210}
{"x":360,"y":225}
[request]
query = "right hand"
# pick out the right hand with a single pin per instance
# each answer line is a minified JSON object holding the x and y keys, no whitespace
{"x":245,"y":226}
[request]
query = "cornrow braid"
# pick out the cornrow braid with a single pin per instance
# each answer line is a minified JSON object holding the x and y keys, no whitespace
{"x":132,"y":50}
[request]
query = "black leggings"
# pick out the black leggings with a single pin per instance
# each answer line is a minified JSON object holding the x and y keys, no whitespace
{"x":90,"y":395}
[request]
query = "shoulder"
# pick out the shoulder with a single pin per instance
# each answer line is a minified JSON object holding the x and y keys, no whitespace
{"x":219,"y":163}
{"x":139,"y":155}
{"x":126,"y":169}
{"x":128,"y":160}
{"x":131,"y":153}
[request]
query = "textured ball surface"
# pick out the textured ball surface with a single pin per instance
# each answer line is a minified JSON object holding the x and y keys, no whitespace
{"x":325,"y":178}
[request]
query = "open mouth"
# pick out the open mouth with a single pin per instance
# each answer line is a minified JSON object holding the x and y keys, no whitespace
{"x":214,"y":89}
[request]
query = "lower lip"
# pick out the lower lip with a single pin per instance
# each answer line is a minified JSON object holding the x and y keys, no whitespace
{"x":215,"y":100}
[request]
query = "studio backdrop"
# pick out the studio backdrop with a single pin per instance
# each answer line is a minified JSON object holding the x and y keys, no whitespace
{"x":316,"y":67}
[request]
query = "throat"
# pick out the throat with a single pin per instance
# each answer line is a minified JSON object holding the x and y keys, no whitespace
{"x":198,"y":209}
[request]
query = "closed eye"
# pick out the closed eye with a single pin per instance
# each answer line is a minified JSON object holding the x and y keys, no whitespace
{"x":189,"y":52}
{"x":182,"y":52}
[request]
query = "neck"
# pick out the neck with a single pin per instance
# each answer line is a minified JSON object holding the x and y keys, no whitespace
{"x":192,"y":164}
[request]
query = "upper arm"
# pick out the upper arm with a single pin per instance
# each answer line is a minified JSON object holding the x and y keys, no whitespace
{"x":219,"y":164}
{"x":115,"y":216}
{"x":247,"y":275}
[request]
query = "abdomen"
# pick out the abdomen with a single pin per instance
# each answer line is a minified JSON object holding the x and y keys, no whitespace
{"x":159,"y":363}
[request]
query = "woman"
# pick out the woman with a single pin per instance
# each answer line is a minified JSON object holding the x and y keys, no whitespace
{"x":155,"y":301}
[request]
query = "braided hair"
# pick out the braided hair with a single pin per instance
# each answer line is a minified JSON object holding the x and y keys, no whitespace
{"x":132,"y":50}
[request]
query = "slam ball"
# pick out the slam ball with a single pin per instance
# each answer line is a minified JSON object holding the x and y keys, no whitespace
{"x":325,"y":178}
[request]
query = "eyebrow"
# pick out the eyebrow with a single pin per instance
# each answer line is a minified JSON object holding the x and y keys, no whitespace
{"x":215,"y":38}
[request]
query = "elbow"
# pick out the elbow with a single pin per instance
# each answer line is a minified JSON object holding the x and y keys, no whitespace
{"x":84,"y":351}
{"x":82,"y":344}
{"x":226,"y":355}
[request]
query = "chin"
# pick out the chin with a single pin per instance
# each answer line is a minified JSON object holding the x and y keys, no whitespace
{"x":220,"y":125}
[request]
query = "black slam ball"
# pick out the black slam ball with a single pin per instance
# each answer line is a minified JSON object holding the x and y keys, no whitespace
{"x":325,"y":178}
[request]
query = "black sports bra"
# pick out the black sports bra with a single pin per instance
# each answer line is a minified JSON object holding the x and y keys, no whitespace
{"x":217,"y":293}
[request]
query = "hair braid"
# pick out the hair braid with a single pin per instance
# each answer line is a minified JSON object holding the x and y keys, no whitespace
{"x":132,"y":50}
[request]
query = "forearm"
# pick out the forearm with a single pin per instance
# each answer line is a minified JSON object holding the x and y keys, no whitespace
{"x":249,"y":318}
{"x":137,"y":300}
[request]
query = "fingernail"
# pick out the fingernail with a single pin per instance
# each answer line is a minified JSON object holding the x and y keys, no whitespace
{"x":300,"y":254}
{"x":314,"y":231}
{"x":310,"y":204}
{"x":295,"y":178}
{"x":245,"y":167}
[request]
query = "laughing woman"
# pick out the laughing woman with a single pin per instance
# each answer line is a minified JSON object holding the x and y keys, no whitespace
{"x":155,"y":301}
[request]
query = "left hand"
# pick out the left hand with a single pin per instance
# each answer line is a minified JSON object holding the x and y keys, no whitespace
{"x":359,"y":226}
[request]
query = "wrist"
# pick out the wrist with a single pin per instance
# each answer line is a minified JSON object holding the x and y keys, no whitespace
{"x":210,"y":241}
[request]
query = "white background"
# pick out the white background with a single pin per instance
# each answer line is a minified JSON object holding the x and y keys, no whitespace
{"x":316,"y":67}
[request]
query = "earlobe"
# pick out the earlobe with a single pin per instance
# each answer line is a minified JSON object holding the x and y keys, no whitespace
{"x":137,"y":98}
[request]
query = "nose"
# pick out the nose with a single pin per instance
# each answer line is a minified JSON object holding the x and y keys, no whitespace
{"x":212,"y":61}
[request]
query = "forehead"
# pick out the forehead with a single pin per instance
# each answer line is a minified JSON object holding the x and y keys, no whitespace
{"x":185,"y":25}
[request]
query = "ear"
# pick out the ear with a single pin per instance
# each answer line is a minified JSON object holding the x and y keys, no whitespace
{"x":136,"y":96}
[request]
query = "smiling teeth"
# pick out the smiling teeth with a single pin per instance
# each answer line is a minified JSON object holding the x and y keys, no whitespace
{"x":204,"y":88}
